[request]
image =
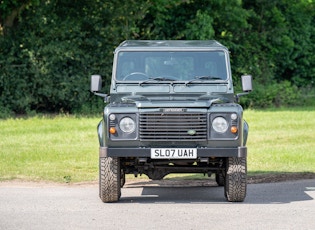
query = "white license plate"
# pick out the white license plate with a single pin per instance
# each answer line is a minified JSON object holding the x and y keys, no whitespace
{"x":174,"y":153}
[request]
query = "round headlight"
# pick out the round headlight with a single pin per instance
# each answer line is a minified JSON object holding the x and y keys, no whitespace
{"x":127,"y":125}
{"x":220,"y":125}
{"x":112,"y":117}
{"x":233,"y":116}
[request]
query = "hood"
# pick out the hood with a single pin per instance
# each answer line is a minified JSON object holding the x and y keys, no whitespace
{"x":175,"y":101}
{"x":200,"y":95}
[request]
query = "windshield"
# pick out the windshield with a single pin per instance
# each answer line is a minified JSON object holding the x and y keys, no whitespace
{"x":171,"y":66}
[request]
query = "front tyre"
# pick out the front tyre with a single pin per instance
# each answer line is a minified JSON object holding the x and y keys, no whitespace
{"x":109,"y":179}
{"x":235,"y":179}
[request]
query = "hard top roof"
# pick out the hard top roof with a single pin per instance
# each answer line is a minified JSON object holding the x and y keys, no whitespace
{"x":166,"y":44}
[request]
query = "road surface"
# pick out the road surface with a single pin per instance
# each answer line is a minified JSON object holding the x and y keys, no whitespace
{"x":283,"y":205}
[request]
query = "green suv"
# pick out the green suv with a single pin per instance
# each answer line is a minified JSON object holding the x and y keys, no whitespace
{"x":172,"y":109}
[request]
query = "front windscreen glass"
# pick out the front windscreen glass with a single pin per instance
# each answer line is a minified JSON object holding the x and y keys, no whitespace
{"x":171,"y":66}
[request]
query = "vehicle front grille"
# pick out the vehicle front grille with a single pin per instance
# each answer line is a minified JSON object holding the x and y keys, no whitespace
{"x":173,"y":126}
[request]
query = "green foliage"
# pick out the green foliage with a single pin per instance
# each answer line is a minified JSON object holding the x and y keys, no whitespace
{"x":200,"y":27}
{"x":278,"y":94}
{"x":283,"y":33}
{"x":48,"y":49}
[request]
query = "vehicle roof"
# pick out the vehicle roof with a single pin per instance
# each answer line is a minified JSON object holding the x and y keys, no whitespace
{"x":167,"y":44}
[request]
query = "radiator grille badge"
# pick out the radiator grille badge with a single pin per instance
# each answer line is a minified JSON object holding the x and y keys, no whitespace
{"x":191,"y":132}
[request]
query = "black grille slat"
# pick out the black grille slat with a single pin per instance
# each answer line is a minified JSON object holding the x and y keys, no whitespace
{"x":173,"y":126}
{"x":168,"y":128}
{"x":172,"y":131}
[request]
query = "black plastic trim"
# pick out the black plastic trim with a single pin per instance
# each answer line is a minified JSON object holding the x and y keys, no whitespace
{"x":146,"y":152}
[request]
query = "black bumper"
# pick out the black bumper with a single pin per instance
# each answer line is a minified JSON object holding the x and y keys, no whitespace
{"x":146,"y":152}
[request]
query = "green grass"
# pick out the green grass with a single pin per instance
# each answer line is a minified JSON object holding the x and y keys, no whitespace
{"x":65,"y":148}
{"x":61,"y":148}
{"x":281,"y":140}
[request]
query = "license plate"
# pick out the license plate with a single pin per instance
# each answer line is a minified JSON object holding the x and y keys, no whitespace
{"x":174,"y":153}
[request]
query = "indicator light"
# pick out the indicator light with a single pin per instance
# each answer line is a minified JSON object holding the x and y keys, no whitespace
{"x":234,"y":129}
{"x":112,"y":130}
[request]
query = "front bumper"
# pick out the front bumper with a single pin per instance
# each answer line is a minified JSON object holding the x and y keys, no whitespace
{"x":146,"y":152}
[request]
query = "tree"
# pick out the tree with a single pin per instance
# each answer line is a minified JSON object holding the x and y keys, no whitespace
{"x":46,"y":61}
{"x":48,"y":49}
{"x":10,"y":10}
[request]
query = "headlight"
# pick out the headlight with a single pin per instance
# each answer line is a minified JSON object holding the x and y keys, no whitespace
{"x":220,"y":125}
{"x":127,"y":125}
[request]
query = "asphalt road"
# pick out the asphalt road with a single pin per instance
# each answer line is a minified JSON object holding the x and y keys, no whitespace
{"x":285,"y":205}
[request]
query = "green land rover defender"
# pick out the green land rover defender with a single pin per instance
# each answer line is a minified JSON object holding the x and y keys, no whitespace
{"x":172,"y":109}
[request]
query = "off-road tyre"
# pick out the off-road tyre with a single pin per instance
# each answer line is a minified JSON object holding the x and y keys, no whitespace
{"x":235,"y":179}
{"x":219,"y":178}
{"x":109,"y":179}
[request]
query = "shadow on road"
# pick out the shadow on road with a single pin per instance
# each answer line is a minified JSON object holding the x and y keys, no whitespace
{"x":206,"y":191}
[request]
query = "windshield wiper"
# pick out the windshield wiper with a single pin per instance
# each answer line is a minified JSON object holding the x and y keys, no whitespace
{"x":202,"y":78}
{"x":154,"y":79}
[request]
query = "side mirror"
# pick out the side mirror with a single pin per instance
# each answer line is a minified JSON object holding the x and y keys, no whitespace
{"x":247,"y":83}
{"x":96,"y":86}
{"x":96,"y":83}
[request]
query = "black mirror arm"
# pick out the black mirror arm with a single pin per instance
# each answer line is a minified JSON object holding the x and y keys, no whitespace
{"x":103,"y":95}
{"x":237,"y":96}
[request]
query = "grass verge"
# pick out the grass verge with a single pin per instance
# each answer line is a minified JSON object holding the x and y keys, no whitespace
{"x":65,"y":148}
{"x":60,"y":149}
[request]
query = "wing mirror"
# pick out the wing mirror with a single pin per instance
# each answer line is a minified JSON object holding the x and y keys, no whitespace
{"x":247,"y":83}
{"x":96,"y":86}
{"x":247,"y":86}
{"x":96,"y":83}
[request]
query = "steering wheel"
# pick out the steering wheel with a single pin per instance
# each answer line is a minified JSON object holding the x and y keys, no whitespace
{"x":136,"y":76}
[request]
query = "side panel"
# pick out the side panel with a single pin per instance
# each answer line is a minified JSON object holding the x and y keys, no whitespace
{"x":245,"y":132}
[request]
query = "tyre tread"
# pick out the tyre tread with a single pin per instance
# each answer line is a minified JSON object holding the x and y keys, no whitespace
{"x":236,"y":179}
{"x":110,"y":187}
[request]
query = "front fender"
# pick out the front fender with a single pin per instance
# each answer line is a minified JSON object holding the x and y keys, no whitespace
{"x":100,"y":133}
{"x":245,"y":132}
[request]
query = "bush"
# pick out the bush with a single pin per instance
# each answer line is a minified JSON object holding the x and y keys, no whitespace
{"x":273,"y":95}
